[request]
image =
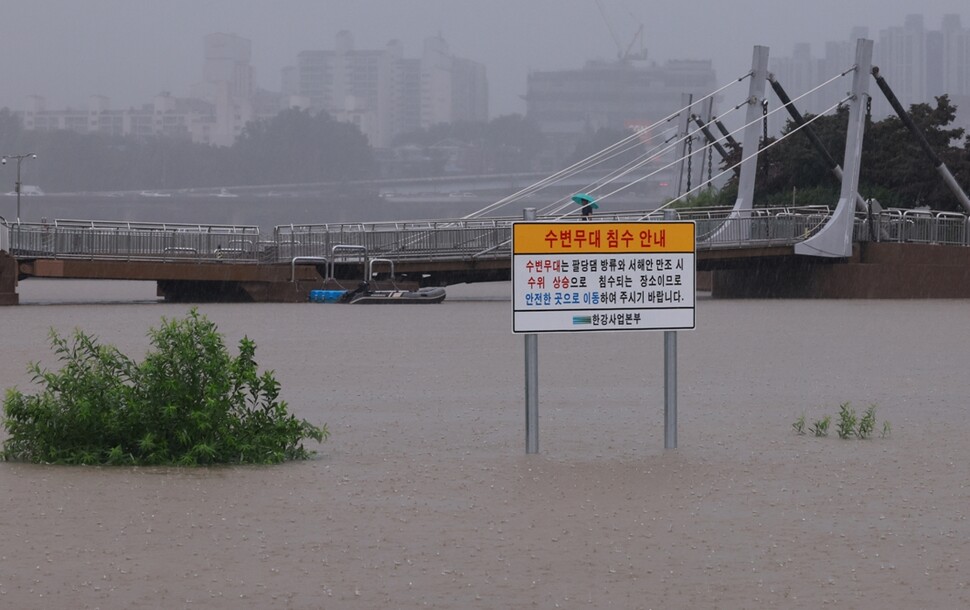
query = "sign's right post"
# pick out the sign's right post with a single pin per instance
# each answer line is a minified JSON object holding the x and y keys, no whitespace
{"x":606,"y":276}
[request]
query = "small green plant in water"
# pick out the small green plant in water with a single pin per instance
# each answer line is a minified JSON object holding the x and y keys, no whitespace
{"x":867,"y":424}
{"x":886,"y":429}
{"x":847,"y":420}
{"x":188,"y":403}
{"x":799,"y":425}
{"x":821,"y":426}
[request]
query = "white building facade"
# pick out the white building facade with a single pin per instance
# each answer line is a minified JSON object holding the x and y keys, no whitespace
{"x":215,"y":112}
{"x":570,"y":105}
{"x":381,"y":91}
{"x":384,"y":93}
{"x":918,"y":64}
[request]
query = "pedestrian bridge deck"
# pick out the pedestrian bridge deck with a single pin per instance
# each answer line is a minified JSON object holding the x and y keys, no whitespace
{"x":233,"y":261}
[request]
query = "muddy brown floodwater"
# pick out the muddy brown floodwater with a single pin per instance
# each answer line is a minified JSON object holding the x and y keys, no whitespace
{"x":424,"y":497}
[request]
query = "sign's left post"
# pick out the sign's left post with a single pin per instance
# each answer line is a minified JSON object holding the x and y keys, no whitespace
{"x":531,"y":378}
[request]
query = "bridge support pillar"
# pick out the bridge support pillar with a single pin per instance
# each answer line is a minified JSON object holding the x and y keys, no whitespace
{"x":752,"y":130}
{"x":834,"y":240}
{"x":8,"y":280}
{"x":740,"y":230}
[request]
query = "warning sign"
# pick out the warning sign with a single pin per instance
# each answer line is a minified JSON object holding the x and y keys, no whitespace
{"x":588,"y":276}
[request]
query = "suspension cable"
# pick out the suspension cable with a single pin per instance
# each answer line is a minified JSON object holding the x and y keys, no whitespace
{"x":727,"y":136}
{"x":809,"y":92}
{"x":756,"y":120}
{"x":738,"y":164}
{"x":638,"y":162}
{"x":591,"y":189}
{"x":592,"y":159}
{"x":756,"y":153}
{"x":666,"y":148}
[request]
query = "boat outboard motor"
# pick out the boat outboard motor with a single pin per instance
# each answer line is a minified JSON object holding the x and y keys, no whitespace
{"x":362,"y":288}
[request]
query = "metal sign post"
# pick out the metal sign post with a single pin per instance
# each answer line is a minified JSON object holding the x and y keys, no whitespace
{"x":670,"y":378}
{"x":601,"y":276}
{"x":670,"y":389}
{"x":531,"y":378}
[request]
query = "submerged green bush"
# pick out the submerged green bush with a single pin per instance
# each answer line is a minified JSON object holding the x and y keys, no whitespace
{"x":188,"y":403}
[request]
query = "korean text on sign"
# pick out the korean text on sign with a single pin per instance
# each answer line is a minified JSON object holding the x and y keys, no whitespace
{"x":610,"y":276}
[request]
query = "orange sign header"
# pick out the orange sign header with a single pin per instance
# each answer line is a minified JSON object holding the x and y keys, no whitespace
{"x":601,"y":237}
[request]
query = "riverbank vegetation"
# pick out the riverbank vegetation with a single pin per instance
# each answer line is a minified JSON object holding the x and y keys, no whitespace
{"x":293,"y":147}
{"x":848,"y":425}
{"x":189,"y":402}
{"x":895,"y":171}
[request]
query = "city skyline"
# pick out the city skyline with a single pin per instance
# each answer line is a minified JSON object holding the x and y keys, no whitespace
{"x":919,"y":61}
{"x":380,"y":91}
{"x":129,"y":51}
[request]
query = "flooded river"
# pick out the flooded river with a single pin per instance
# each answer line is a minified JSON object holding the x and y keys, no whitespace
{"x":424,"y":497}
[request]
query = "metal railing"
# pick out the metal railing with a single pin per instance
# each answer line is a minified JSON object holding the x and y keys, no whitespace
{"x":719,"y":228}
{"x":434,"y":240}
{"x":491,"y":238}
{"x":922,"y":226}
{"x":134,"y":241}
{"x":421,"y":240}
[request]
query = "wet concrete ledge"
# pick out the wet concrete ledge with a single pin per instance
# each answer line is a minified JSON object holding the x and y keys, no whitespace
{"x":875,"y":271}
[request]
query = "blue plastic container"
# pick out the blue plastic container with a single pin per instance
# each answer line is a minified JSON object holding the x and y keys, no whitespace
{"x":326,"y":296}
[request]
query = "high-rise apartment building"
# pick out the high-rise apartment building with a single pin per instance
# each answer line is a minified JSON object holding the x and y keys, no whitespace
{"x":803,"y":72}
{"x":215,"y":112}
{"x":797,"y":74}
{"x":918,"y":64}
{"x":227,"y":59}
{"x":384,"y":93}
{"x":956,"y":57}
{"x":901,"y":56}
{"x":167,"y":116}
{"x":229,"y":85}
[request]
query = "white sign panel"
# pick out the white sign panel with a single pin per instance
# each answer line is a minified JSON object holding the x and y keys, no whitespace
{"x":575,"y":277}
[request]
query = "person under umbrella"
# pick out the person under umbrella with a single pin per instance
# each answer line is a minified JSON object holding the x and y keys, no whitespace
{"x":588,"y":203}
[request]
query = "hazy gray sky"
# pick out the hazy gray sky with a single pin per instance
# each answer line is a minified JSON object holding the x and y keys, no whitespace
{"x":129,"y":50}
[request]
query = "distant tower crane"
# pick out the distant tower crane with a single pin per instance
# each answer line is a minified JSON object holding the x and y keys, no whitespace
{"x":622,"y":53}
{"x":629,"y":49}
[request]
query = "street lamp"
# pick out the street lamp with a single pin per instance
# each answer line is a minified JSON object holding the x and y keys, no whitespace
{"x":19,"y":158}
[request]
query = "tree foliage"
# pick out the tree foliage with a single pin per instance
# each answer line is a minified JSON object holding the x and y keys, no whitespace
{"x":188,"y":403}
{"x":294,"y":146}
{"x":894,"y":169}
{"x":298,"y":146}
{"x":509,"y":143}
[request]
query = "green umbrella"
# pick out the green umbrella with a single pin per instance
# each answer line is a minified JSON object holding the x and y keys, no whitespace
{"x":584,"y":199}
